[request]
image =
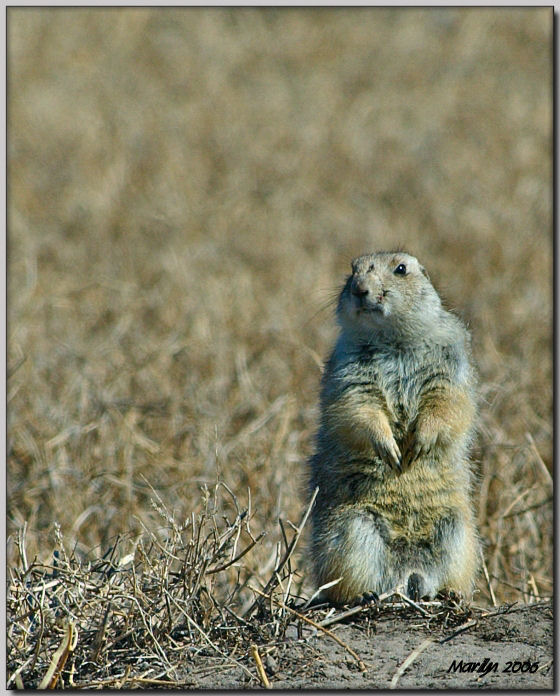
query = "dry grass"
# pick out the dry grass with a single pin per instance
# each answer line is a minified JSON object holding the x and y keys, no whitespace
{"x":143,"y":618}
{"x":186,"y":188}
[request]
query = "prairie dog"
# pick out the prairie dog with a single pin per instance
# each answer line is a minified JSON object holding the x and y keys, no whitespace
{"x":398,"y":403}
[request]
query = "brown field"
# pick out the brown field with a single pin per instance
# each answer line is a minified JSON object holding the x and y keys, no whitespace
{"x":186,"y":190}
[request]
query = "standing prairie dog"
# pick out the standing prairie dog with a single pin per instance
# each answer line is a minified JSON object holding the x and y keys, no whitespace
{"x":391,"y":462}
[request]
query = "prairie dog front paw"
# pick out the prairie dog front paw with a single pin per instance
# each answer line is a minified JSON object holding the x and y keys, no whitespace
{"x":385,"y":446}
{"x":423,"y":438}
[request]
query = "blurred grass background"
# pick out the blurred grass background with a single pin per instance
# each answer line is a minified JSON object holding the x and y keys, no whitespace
{"x":186,"y":190}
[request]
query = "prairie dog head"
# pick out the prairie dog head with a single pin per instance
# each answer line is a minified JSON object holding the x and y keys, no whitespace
{"x":387,"y":292}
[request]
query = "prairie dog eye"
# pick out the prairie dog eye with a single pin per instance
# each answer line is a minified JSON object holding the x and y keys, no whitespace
{"x":372,"y":266}
{"x":400,"y":269}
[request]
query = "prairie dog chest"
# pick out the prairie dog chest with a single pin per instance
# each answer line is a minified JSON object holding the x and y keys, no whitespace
{"x":398,"y":376}
{"x":394,"y":375}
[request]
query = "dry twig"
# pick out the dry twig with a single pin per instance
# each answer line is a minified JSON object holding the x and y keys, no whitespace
{"x":409,"y":660}
{"x":260,"y":667}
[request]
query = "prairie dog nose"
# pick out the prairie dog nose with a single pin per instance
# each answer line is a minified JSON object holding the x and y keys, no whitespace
{"x":359,"y":287}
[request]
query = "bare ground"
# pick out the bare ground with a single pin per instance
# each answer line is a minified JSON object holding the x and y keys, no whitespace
{"x":517,"y":643}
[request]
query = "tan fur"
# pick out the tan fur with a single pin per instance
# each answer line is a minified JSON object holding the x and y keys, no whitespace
{"x":397,"y":411}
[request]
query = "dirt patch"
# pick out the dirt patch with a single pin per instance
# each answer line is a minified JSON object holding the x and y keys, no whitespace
{"x":512,"y":649}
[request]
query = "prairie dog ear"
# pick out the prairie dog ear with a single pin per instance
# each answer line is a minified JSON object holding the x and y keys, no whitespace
{"x":424,"y":272}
